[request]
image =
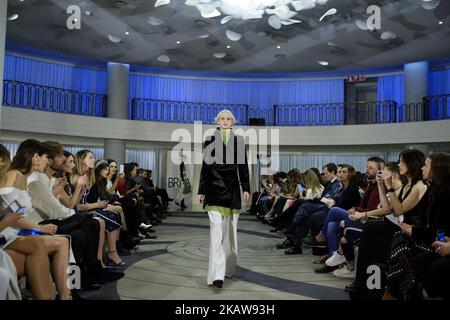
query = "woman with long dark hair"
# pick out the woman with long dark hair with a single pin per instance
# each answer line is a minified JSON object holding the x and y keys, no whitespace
{"x":402,"y":281}
{"x":376,"y":238}
{"x":31,"y":159}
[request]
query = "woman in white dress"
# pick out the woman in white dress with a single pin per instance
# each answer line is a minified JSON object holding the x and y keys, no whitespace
{"x":13,"y":187}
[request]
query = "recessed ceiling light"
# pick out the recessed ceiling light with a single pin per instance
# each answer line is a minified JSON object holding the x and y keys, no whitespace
{"x":13,"y":17}
{"x":278,"y":47}
{"x":127,"y":33}
{"x":441,"y":22}
{"x":178,"y":42}
{"x":228,"y":47}
{"x":323,"y":63}
{"x":88,"y":13}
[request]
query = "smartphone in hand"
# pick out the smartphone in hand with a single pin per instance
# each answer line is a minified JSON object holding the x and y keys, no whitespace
{"x":440,"y":235}
{"x":16,"y":207}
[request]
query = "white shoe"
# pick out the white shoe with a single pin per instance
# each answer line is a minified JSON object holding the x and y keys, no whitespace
{"x":335,"y":260}
{"x":145,"y":226}
{"x":344,"y":273}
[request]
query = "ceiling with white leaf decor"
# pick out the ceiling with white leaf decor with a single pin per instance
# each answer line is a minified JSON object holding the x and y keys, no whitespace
{"x":237,"y":36}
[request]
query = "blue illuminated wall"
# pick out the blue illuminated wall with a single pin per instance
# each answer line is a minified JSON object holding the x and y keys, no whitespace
{"x":261,"y":96}
{"x":59,"y":75}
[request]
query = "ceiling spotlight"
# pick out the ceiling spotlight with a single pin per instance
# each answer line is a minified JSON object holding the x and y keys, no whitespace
{"x":127,"y":33}
{"x":228,"y":47}
{"x":278,"y":47}
{"x":441,"y":22}
{"x":323,"y":63}
{"x":13,"y":17}
{"x":75,"y":19}
{"x":178,"y":42}
{"x":88,"y":13}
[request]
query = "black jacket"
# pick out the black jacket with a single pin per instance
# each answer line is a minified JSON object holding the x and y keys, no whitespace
{"x":223,"y":167}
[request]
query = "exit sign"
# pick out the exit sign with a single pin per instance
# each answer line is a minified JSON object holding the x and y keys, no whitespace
{"x":356,"y":78}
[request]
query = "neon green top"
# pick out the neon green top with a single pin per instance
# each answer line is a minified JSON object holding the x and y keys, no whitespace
{"x":223,"y":210}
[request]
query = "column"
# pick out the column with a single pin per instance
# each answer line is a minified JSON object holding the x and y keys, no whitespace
{"x":117,"y":107}
{"x":3,"y":13}
{"x":416,"y":87}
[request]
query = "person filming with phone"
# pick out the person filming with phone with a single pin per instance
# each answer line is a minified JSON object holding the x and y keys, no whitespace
{"x":434,"y":224}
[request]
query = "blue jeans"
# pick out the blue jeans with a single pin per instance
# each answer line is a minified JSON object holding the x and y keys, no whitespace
{"x":331,"y":229}
{"x":303,"y":213}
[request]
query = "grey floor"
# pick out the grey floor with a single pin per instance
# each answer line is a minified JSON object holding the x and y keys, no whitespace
{"x":174,"y":266}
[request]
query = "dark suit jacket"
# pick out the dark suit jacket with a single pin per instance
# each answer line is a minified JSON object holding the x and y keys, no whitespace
{"x":224,"y":169}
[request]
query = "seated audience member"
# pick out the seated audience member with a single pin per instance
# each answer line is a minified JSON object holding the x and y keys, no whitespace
{"x":129,"y":188}
{"x":353,"y":226}
{"x":13,"y":188}
{"x":132,"y":213}
{"x":112,"y":213}
{"x":91,"y":202}
{"x":288,"y":188}
{"x":402,"y":282}
{"x":308,"y":190}
{"x":48,"y":210}
{"x":299,"y":226}
{"x":376,"y":237}
{"x":346,"y":199}
{"x":370,"y":201}
{"x":431,"y":269}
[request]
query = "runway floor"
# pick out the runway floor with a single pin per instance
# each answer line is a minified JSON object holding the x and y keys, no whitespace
{"x":174,"y":267}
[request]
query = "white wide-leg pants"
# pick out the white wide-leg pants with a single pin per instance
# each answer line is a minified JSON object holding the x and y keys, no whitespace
{"x":223,"y":246}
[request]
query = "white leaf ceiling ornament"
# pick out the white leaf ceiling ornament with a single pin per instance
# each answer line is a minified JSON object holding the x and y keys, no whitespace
{"x":208,"y":11}
{"x":159,"y":3}
{"x":275,"y":22}
{"x":233,"y":36}
{"x":328,"y":13}
{"x":280,"y":11}
{"x":388,"y":35}
{"x":114,"y":39}
{"x":289,"y":22}
{"x":154,"y":21}
{"x":226,"y":19}
{"x":219,"y":55}
{"x":163,"y":58}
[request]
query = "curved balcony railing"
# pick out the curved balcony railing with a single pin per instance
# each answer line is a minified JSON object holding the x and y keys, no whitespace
{"x":44,"y":98}
{"x":437,"y":107}
{"x":38,"y":97}
{"x":184,"y":112}
{"x":326,"y":114}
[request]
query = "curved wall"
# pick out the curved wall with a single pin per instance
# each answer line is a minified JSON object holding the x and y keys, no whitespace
{"x":31,"y":121}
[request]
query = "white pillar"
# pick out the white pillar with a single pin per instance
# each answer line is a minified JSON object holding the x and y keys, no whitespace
{"x":416,"y":87}
{"x":117,"y":107}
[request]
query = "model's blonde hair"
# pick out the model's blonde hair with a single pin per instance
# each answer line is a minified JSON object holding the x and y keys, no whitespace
{"x":216,"y":119}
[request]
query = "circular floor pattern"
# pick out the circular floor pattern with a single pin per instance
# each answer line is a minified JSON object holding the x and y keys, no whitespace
{"x":174,"y":266}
